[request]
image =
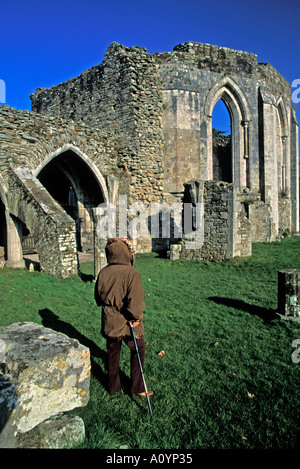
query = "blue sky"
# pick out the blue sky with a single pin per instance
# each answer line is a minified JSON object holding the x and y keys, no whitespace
{"x":44,"y":43}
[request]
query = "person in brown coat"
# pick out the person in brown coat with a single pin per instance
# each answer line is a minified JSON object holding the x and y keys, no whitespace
{"x":120,"y":292}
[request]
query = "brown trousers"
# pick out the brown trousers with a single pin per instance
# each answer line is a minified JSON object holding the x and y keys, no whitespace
{"x":114,"y":351}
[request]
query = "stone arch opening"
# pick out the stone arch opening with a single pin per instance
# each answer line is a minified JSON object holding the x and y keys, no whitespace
{"x":74,"y":185}
{"x":222,"y":148}
{"x":233,"y":98}
{"x":4,"y":224}
{"x":3,"y":234}
{"x":282,"y":150}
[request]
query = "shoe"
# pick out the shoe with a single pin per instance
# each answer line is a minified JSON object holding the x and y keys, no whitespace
{"x":142,"y":394}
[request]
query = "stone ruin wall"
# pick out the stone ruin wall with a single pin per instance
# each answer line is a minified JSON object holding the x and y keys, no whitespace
{"x":227,"y":227}
{"x":122,"y":98}
{"x":159,"y":105}
{"x":144,"y":121}
{"x":52,"y":227}
{"x":188,"y":73}
{"x":30,"y":140}
{"x":27,"y":141}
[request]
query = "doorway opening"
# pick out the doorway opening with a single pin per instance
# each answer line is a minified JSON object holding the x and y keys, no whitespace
{"x":73,"y":184}
{"x":222,"y":143}
{"x":3,"y":234}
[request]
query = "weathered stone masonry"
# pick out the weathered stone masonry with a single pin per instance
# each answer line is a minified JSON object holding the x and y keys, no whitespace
{"x":140,"y":125}
{"x":122,"y":97}
{"x":28,"y":144}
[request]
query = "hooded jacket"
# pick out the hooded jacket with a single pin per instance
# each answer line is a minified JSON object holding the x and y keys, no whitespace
{"x":120,"y":293}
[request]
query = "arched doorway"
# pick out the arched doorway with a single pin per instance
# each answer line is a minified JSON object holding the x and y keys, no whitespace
{"x":283,"y":166}
{"x":3,"y":234}
{"x":232,"y":96}
{"x":4,"y":224}
{"x":222,"y":148}
{"x":73,"y":184}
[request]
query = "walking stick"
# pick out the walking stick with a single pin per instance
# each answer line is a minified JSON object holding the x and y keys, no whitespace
{"x":141,"y":368}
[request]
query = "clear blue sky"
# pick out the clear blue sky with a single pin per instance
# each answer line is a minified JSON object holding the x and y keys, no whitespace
{"x":44,"y":43}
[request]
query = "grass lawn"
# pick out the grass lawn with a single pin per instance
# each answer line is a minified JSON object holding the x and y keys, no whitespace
{"x":226,"y":380}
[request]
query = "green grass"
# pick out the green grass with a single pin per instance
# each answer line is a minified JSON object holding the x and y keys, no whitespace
{"x":226,"y":380}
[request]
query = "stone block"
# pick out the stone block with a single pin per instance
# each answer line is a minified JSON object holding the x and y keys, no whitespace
{"x":289,"y":293}
{"x":44,"y":373}
{"x":174,"y":253}
{"x":58,"y":432}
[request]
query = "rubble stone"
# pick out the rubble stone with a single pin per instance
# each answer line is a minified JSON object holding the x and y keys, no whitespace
{"x":44,"y":373}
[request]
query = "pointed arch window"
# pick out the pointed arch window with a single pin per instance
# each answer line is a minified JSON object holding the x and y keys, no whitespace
{"x":282,"y":150}
{"x":233,"y":98}
{"x":222,"y":148}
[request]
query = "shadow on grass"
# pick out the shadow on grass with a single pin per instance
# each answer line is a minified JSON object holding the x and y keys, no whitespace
{"x":267,"y":314}
{"x":52,"y":321}
{"x":86,"y":277}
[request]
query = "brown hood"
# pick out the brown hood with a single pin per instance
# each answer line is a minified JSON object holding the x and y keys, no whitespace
{"x":118,"y":252}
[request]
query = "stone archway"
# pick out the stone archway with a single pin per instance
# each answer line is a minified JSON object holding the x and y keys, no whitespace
{"x":3,"y":223}
{"x":78,"y":186}
{"x":232,"y":96}
{"x":283,"y":156}
{"x":3,"y":234}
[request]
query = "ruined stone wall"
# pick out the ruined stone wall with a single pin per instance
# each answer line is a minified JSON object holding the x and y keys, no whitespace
{"x":261,"y":222}
{"x":160,"y":108}
{"x":194,"y":77}
{"x":221,"y":237}
{"x":284,"y":208}
{"x":232,"y":221}
{"x":2,"y":257}
{"x":269,"y":77}
{"x":27,"y":142}
{"x":28,"y":139}
{"x":188,"y":74}
{"x":244,"y":233}
{"x":217,"y":221}
{"x":121,"y":97}
{"x":143,"y":124}
{"x":53,"y":229}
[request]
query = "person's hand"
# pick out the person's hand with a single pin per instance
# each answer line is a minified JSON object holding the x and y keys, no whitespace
{"x":134,"y":323}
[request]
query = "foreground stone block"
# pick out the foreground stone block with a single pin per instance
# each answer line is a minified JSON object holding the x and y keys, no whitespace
{"x":59,"y":432}
{"x":44,"y":373}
